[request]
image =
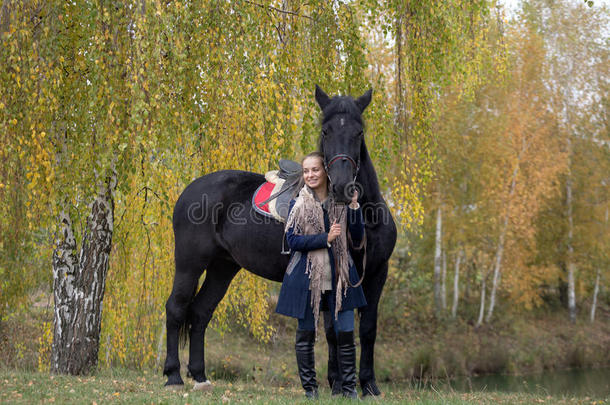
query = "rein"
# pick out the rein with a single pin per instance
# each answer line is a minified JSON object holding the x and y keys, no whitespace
{"x":360,"y":247}
{"x":356,"y":167}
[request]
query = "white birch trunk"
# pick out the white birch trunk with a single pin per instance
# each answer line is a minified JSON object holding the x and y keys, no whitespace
{"x":570,"y":265}
{"x":437,"y":262}
{"x":65,"y":268}
{"x":502,"y":240}
{"x":444,"y":282}
{"x":595,"y":292}
{"x":497,"y":268}
{"x":456,"y":280}
{"x":78,"y":286}
{"x":597,"y":280}
{"x":482,"y":305}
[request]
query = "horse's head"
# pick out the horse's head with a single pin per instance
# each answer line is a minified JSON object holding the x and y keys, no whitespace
{"x":341,"y":139}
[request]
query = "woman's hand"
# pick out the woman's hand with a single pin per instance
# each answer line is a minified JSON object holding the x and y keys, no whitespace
{"x":354,"y":204}
{"x":335,"y":230}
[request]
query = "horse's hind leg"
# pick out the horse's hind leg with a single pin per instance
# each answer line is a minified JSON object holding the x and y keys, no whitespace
{"x":218,"y":276}
{"x":176,"y":309}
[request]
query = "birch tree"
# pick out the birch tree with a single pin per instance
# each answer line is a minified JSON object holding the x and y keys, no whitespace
{"x":532,"y":156}
{"x":438,"y":261}
{"x":444,"y":281}
{"x":573,"y":39}
{"x":456,"y":283}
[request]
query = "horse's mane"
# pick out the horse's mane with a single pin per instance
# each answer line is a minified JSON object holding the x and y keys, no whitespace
{"x":342,"y":105}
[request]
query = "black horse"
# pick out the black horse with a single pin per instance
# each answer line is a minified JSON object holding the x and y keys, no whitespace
{"x":217,"y":230}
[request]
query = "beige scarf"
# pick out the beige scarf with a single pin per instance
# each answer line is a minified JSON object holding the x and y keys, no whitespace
{"x":307,"y":218}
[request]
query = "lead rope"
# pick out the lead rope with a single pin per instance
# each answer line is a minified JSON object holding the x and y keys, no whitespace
{"x":360,"y":247}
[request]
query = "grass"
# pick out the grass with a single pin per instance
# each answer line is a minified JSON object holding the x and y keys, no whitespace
{"x":419,"y":354}
{"x":246,"y":371}
{"x":133,"y":387}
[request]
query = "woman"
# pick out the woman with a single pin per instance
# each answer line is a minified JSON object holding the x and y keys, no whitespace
{"x":321,"y":272}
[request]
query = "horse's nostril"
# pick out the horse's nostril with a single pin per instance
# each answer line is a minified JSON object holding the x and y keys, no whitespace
{"x":349,"y":189}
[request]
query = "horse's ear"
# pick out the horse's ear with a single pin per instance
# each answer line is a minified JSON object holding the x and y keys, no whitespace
{"x":364,"y":100}
{"x":321,"y":97}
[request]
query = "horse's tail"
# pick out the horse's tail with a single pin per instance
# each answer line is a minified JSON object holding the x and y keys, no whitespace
{"x":185,"y":328}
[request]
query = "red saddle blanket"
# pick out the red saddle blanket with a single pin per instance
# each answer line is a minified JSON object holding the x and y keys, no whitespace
{"x":263,"y":193}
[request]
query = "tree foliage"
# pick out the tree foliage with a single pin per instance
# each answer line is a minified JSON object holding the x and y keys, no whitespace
{"x":471,"y":112}
{"x":503,"y":159}
{"x":161,"y":92}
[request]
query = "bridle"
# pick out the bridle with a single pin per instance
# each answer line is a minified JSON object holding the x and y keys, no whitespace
{"x":342,"y":157}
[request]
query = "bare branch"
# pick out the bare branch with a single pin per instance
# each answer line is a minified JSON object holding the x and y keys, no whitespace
{"x":279,"y":10}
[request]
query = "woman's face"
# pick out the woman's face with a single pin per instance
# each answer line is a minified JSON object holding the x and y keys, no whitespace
{"x":314,"y":173}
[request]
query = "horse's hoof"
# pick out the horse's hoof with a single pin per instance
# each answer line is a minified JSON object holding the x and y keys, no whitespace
{"x":174,"y":387}
{"x":203,"y":386}
{"x":174,"y":379}
{"x":370,"y":390}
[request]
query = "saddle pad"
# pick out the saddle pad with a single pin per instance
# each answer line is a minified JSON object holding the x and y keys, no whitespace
{"x":278,"y":207}
{"x":263,"y":192}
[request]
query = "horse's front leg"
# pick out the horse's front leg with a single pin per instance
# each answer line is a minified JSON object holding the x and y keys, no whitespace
{"x":368,"y":330}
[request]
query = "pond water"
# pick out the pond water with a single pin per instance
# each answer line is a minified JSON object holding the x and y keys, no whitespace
{"x":580,"y":383}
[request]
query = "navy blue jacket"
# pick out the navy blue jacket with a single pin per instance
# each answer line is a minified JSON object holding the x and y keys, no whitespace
{"x":295,"y":294}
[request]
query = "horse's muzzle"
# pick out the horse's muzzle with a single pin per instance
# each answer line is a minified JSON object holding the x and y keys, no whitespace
{"x":344,"y":193}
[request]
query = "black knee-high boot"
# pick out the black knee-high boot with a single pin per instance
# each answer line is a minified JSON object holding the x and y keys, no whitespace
{"x":346,"y":351}
{"x":334,"y":377}
{"x":304,"y":347}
